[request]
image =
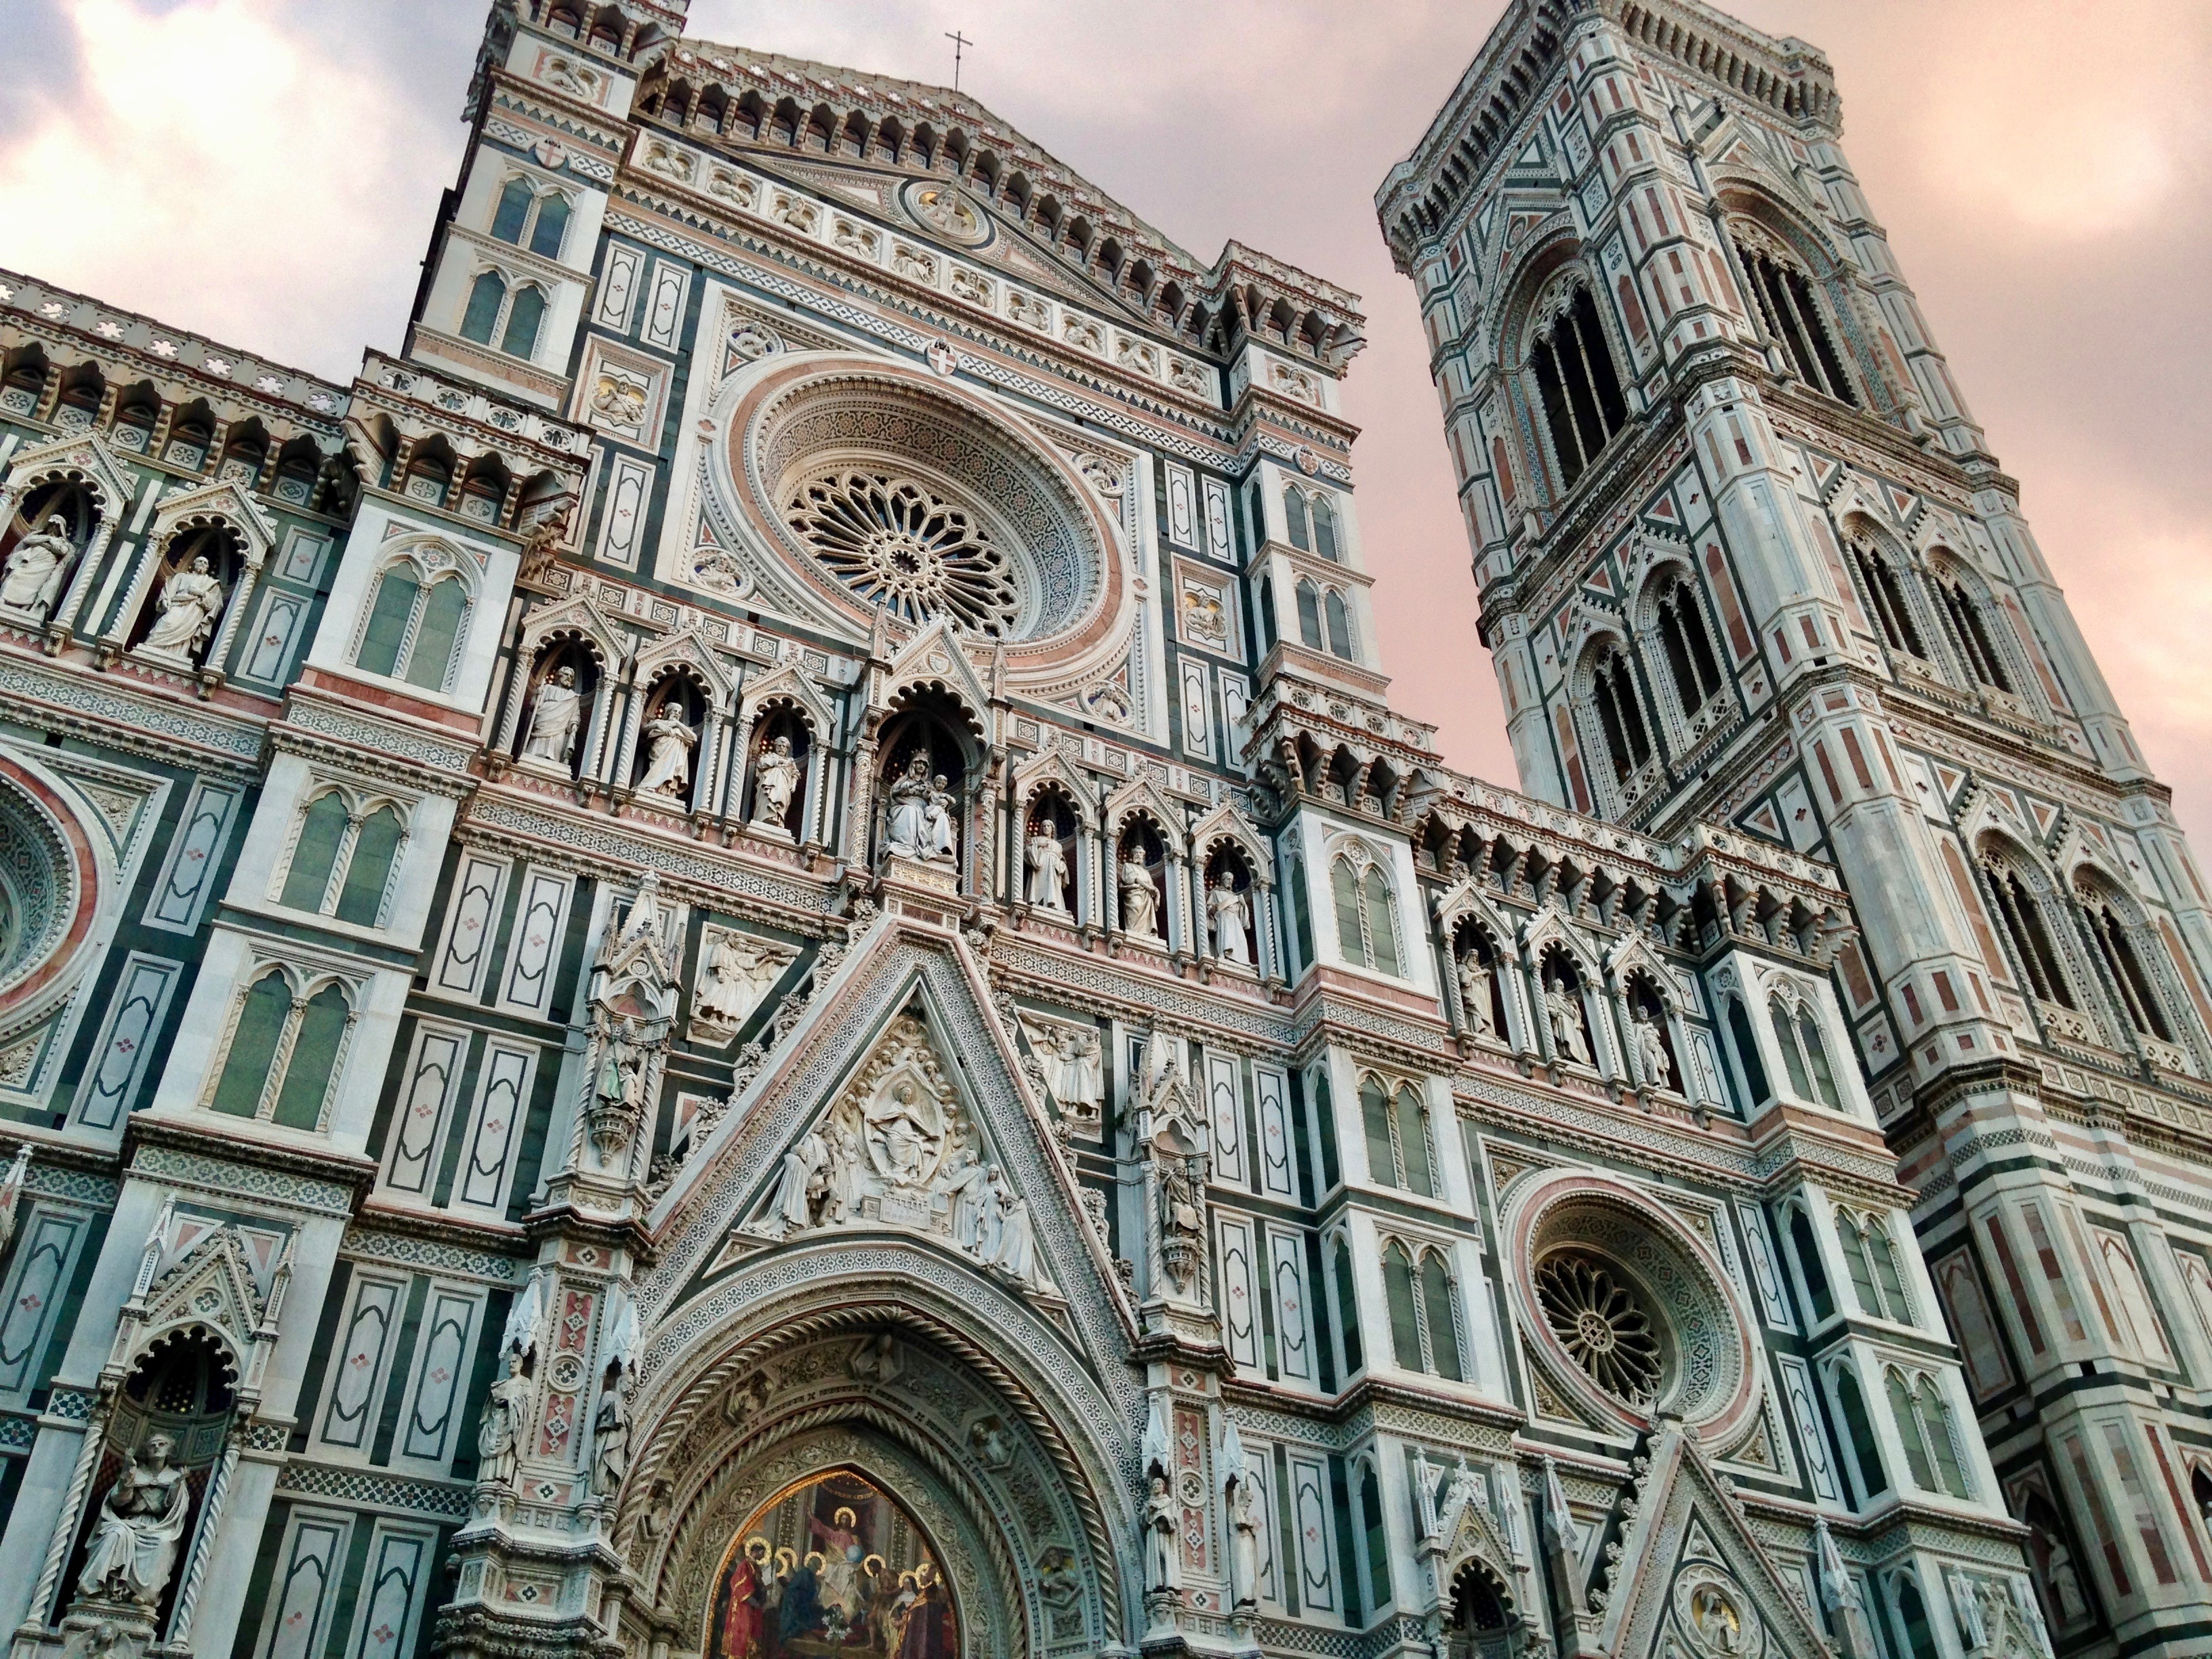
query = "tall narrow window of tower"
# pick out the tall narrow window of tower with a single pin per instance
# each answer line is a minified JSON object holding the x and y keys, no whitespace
{"x":2129,"y":973}
{"x":2022,"y":913}
{"x":1613,"y":687}
{"x":1892,"y":614}
{"x":1324,"y":527}
{"x":524,"y":216}
{"x":1791,"y":312}
{"x":1967,"y":627}
{"x":1576,"y":381}
{"x":1294,"y":513}
{"x":1689,"y":648}
{"x":1339,"y":625}
{"x":1308,"y":616}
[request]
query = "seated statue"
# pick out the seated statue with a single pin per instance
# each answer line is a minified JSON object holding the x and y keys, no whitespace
{"x":134,"y":1543}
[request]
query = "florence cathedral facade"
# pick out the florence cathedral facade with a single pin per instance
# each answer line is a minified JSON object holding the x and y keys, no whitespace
{"x":740,"y":961}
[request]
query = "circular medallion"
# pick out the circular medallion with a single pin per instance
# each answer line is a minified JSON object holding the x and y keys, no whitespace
{"x":944,"y":209}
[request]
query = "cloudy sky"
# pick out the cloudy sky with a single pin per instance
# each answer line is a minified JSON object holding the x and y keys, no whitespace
{"x":265,"y":172}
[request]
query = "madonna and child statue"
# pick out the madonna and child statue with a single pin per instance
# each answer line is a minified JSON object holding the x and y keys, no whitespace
{"x":920,"y":822}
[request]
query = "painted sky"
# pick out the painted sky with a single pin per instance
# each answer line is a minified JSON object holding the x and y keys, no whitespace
{"x":265,"y":170}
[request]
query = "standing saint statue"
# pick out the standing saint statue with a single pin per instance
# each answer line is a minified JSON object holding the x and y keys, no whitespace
{"x":775,"y":786}
{"x":1651,"y":1050}
{"x":1562,"y":1009}
{"x":556,"y":712}
{"x":1232,"y":914}
{"x":190,"y":602}
{"x":1048,"y":862}
{"x":1474,"y":992}
{"x":134,"y":1544}
{"x":668,"y":758}
{"x":1140,"y":900}
{"x":37,"y":567}
{"x":609,"y":1441}
{"x":1163,"y":1518}
{"x":505,"y":1425}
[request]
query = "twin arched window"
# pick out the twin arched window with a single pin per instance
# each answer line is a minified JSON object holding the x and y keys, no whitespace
{"x":2124,"y":965}
{"x":341,"y":859}
{"x":527,"y":218}
{"x":1324,"y":620}
{"x":1396,"y":1121}
{"x":1804,"y":1054}
{"x":1577,"y":384}
{"x":1875,"y":1286}
{"x":1885,"y":588}
{"x":284,"y":1052}
{"x":413,"y":628}
{"x":1424,"y":1312}
{"x":1312,"y":520}
{"x":512,"y":318}
{"x":1977,"y":647}
{"x":1619,"y":712}
{"x":1688,"y":646}
{"x":1366,"y":912}
{"x":1784,"y":294}
{"x":2021,"y":913}
{"x":1924,"y":1423}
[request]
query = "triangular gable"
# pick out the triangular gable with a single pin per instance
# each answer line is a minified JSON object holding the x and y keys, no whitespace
{"x":1225,"y":823}
{"x":83,"y":455}
{"x":1050,"y":766}
{"x":1691,"y":1568}
{"x":687,"y":647}
{"x":1470,"y":898}
{"x":916,"y":973}
{"x":225,"y":499}
{"x":1143,"y":792}
{"x":788,"y":684}
{"x":935,"y":658}
{"x":581,"y":617}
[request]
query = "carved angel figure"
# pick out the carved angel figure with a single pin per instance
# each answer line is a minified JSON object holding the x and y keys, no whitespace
{"x":191,"y":601}
{"x":134,"y":1543}
{"x":37,"y":567}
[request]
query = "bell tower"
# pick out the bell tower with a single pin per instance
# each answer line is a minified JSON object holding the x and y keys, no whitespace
{"x":1744,"y":557}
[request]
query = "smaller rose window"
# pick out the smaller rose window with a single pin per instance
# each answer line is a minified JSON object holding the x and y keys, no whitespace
{"x":896,"y":544}
{"x":1603,"y":1323}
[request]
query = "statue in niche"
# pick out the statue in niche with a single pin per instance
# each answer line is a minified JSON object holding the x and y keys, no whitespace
{"x":1563,"y":1010}
{"x":921,"y":826}
{"x":617,"y":1092}
{"x":1232,"y":914}
{"x":670,"y":741}
{"x":2065,"y":1582}
{"x":1474,"y":992}
{"x":557,"y":711}
{"x":134,"y":1544}
{"x":1714,"y":1615}
{"x":1140,"y":900}
{"x":609,"y":1441}
{"x":1074,"y":1067}
{"x":1243,"y":1544}
{"x":1651,"y":1050}
{"x":37,"y":567}
{"x":775,"y":786}
{"x":1182,"y":1213}
{"x":1048,"y":865}
{"x":191,"y":601}
{"x":1162,"y":1519}
{"x":740,"y":970}
{"x":504,"y":1426}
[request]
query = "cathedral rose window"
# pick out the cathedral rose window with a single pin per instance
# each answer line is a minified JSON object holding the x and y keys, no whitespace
{"x":897,"y":544}
{"x":1602,"y":1322}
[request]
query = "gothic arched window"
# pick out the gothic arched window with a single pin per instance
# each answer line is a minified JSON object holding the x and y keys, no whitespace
{"x":283,"y":1052}
{"x":1576,"y":381}
{"x":342,"y":858}
{"x":1858,"y":1428}
{"x":487,"y":299}
{"x":1620,"y":713}
{"x":1366,"y":915}
{"x":413,"y":628}
{"x":1873,"y":1261}
{"x":1294,"y":512}
{"x":1892,"y":611}
{"x":1689,"y":648}
{"x":1347,"y":1307}
{"x":1804,"y":1053}
{"x":1310,"y":615}
{"x":2021,"y":914}
{"x":1324,"y":527}
{"x":1339,"y":625}
{"x":2124,"y":963}
{"x":1969,"y":628}
{"x":1424,"y":1311}
{"x":1809,"y":1270}
{"x":523,"y":313}
{"x":1783,"y":295}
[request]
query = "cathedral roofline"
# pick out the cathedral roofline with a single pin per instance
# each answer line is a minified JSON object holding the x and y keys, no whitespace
{"x":1788,"y":76}
{"x":1263,"y":292}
